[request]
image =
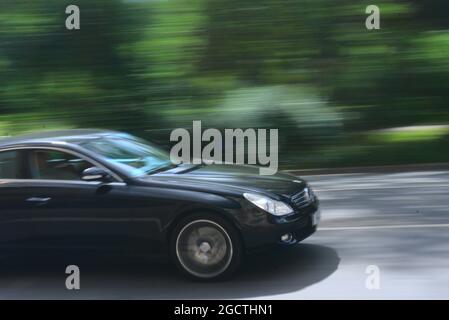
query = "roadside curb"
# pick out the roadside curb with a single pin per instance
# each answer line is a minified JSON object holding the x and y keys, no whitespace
{"x":373,"y":169}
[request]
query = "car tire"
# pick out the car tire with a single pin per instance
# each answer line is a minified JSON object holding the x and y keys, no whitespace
{"x":206,"y":247}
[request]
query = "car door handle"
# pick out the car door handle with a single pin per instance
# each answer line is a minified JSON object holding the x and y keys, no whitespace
{"x":38,"y":201}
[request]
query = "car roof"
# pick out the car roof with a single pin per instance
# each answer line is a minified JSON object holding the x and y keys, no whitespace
{"x":74,"y":136}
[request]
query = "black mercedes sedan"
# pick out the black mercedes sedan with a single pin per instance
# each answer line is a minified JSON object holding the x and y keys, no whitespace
{"x":95,"y":188}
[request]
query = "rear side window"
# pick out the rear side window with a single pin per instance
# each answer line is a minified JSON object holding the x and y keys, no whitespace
{"x":10,"y":165}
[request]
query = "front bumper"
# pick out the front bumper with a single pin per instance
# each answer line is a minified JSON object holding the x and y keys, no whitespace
{"x":300,"y":234}
{"x":270,"y":229}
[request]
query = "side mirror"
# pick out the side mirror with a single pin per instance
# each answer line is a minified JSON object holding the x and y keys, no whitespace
{"x":95,"y":174}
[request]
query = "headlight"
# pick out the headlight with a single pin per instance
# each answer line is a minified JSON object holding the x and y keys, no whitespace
{"x":277,"y":208}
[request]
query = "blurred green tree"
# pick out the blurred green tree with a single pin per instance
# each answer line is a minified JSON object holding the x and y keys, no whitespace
{"x":310,"y":68}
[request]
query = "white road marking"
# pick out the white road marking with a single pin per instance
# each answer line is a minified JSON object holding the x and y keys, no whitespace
{"x":327,"y":174}
{"x":403,"y":226}
{"x":380,"y":187}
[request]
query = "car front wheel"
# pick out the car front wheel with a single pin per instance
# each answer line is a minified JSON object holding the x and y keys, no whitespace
{"x":206,"y":247}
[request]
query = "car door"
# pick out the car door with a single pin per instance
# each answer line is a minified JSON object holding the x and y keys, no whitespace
{"x":62,"y":209}
{"x":13,"y":209}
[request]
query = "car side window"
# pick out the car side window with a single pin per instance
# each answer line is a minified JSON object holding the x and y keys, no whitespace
{"x":11,"y":165}
{"x":56,"y":165}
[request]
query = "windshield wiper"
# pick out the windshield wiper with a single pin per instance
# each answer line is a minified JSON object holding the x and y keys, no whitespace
{"x":162,"y":168}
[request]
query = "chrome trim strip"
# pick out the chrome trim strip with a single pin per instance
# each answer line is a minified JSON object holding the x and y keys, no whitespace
{"x":44,"y":181}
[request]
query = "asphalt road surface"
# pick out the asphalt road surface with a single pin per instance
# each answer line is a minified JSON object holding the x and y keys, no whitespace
{"x":398,"y":223}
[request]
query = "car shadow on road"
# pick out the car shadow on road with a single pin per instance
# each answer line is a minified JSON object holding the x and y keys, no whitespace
{"x":280,"y":270}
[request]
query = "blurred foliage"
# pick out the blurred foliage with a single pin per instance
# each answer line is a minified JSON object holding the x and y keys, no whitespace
{"x":307,"y":67}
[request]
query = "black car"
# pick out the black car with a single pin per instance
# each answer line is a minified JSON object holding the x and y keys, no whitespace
{"x":99,"y":188}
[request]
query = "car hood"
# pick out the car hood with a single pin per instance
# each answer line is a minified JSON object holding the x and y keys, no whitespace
{"x":228,"y":178}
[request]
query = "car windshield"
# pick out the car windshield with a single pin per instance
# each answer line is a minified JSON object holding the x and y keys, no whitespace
{"x":135,"y":156}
